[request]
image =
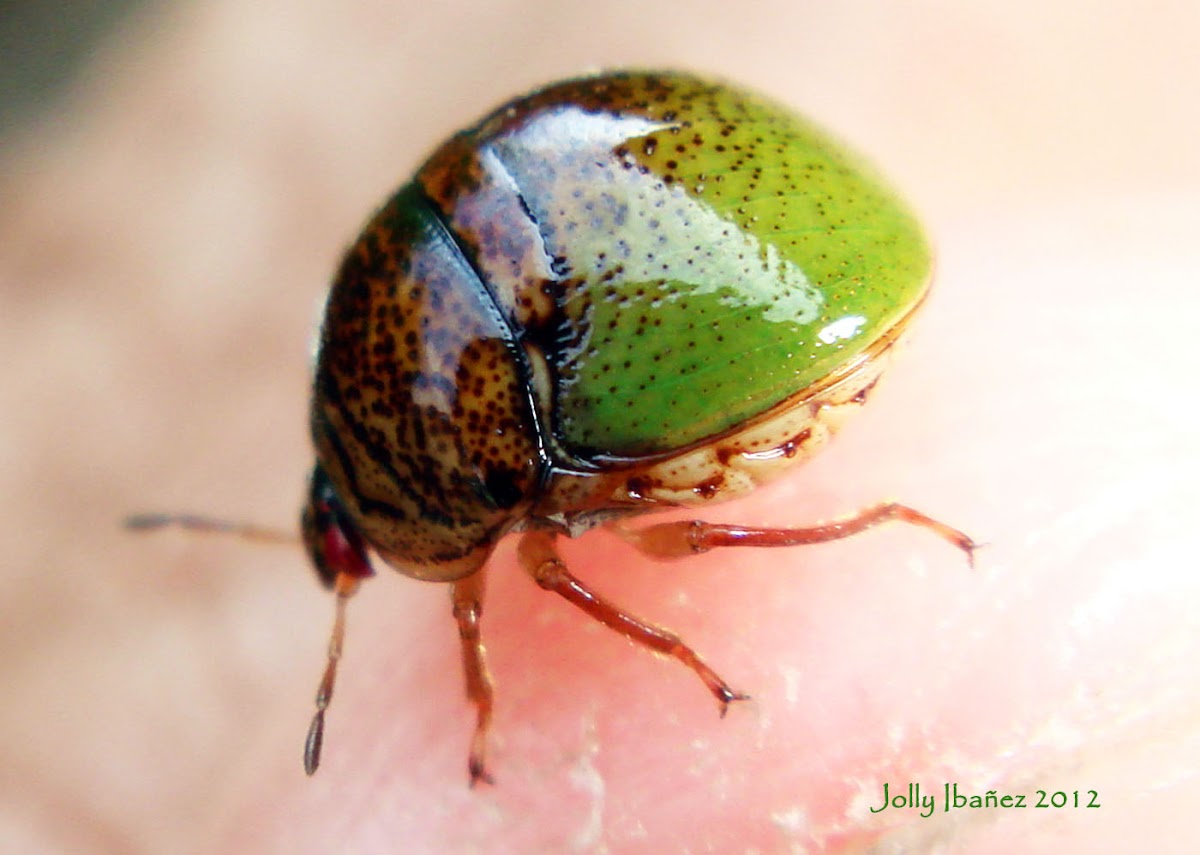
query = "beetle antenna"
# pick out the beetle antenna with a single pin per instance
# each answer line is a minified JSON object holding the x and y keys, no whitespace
{"x":210,"y":525}
{"x":345,"y":587}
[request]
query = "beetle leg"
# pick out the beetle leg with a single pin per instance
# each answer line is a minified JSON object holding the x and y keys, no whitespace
{"x":345,"y":586}
{"x":468,"y":606}
{"x":689,"y":537}
{"x":540,"y":559}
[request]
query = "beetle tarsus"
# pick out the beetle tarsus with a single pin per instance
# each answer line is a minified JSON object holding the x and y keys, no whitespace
{"x":727,"y":696}
{"x":468,"y":607}
{"x":346,"y":585}
{"x":312,"y":743}
{"x":478,"y":772}
{"x":539,"y":557}
{"x":970,"y":547}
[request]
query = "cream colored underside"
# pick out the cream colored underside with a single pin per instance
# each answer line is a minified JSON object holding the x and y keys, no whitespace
{"x":763,"y":451}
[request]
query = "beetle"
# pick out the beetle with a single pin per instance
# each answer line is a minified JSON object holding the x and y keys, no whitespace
{"x":619,"y":294}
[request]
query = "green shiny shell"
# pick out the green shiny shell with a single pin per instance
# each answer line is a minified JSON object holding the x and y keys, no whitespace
{"x":683,"y":255}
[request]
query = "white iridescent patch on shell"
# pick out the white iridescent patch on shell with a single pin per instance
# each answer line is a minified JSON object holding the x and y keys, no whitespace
{"x":627,"y":224}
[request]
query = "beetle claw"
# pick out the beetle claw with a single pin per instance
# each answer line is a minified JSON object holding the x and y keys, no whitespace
{"x":729,"y":696}
{"x":479,"y":773}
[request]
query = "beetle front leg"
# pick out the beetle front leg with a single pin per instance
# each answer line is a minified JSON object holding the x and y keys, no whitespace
{"x":540,"y":559}
{"x":468,"y":606}
{"x":689,"y":537}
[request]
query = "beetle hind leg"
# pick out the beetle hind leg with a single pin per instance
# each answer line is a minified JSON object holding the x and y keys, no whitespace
{"x":690,"y":537}
{"x":540,"y":560}
{"x":468,"y":606}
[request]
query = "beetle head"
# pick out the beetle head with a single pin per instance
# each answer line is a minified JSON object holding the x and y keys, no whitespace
{"x":332,"y":540}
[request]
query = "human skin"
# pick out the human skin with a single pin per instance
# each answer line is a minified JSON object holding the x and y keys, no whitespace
{"x":163,"y":249}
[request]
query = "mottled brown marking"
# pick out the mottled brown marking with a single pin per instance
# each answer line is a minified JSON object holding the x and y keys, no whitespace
{"x":421,"y":410}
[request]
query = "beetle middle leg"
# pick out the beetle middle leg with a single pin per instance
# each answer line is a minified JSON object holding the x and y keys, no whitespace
{"x":539,"y":557}
{"x":690,"y":537}
{"x":468,"y":606}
